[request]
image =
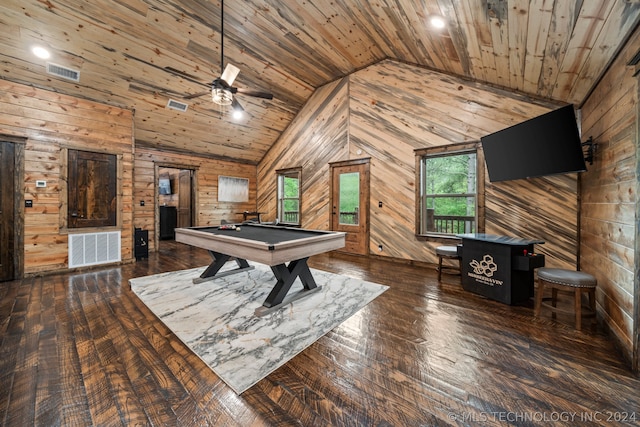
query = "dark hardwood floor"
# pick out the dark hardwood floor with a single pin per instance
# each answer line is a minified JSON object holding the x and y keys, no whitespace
{"x":82,"y":350}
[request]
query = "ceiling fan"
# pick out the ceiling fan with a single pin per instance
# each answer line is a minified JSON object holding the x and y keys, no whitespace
{"x":222,"y":89}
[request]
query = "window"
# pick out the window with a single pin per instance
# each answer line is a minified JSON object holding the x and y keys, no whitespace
{"x":448,"y":202}
{"x":349,"y":198}
{"x":289,"y":196}
{"x":91,"y":187}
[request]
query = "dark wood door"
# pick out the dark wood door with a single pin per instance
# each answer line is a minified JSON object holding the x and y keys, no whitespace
{"x":184,"y":198}
{"x":350,"y":203}
{"x":92,"y":189}
{"x":7,"y":211}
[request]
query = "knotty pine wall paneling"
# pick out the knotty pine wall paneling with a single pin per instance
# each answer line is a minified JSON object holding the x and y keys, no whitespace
{"x":544,"y":207}
{"x":392,"y":109}
{"x":396,"y":108}
{"x":317,"y":136}
{"x":51,"y":124}
{"x":208,"y":211}
{"x":610,"y":237}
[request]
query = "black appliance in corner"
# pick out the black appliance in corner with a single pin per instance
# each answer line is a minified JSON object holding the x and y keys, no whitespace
{"x":141,"y":247}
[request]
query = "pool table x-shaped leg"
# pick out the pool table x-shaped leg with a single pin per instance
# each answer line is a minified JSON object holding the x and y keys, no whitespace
{"x":218,"y":260}
{"x":286,"y":275}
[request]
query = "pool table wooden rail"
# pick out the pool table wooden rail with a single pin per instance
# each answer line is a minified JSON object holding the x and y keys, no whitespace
{"x":282,"y":252}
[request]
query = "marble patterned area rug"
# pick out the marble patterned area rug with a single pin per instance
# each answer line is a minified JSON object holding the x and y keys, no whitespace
{"x":216,"y":320}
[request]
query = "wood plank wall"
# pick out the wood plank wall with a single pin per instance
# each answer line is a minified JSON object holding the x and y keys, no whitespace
{"x":393,"y":109}
{"x":52,"y":123}
{"x":609,"y":214}
{"x":397,"y":108}
{"x":316,"y":137}
{"x":544,"y":207}
{"x":208,"y":211}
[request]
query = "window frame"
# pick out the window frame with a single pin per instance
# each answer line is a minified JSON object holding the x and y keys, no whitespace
{"x":440,"y":151}
{"x":295,"y":172}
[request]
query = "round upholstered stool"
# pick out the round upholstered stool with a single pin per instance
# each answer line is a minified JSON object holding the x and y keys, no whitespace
{"x":566,"y":280}
{"x":450,"y":252}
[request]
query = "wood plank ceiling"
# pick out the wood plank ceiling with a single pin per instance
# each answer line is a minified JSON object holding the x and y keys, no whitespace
{"x":139,"y":54}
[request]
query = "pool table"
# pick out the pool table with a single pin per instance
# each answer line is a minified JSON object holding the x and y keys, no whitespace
{"x":285,"y":249}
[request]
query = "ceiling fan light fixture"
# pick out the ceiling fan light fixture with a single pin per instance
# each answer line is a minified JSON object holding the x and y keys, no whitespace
{"x":221,"y":96}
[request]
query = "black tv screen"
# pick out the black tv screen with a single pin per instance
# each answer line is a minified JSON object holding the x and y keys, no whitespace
{"x":545,"y":145}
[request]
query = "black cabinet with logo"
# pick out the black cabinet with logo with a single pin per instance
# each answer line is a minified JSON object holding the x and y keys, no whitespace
{"x":499,"y":267}
{"x":168,"y":222}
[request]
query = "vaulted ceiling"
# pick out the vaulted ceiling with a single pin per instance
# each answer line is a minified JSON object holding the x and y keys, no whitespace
{"x":138,"y":54}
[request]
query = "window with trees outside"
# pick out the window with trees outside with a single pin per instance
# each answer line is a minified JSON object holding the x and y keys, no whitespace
{"x":448,"y":202}
{"x":289,"y":196}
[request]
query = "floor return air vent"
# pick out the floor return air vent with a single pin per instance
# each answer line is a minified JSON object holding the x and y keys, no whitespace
{"x":94,"y":248}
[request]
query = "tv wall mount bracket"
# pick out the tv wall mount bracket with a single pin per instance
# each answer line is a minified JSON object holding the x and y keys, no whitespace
{"x":590,"y":150}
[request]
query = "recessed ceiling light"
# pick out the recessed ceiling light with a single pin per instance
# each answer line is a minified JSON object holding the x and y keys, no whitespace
{"x":437,"y":21}
{"x":41,"y":52}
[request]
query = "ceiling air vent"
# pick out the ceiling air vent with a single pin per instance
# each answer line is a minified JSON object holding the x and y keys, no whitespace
{"x":64,"y":72}
{"x":175,"y":105}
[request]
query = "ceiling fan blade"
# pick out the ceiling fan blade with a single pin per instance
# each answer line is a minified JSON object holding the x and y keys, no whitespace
{"x":238,"y":114}
{"x":236,"y":105}
{"x":255,"y":93}
{"x":230,"y":73}
{"x":197,"y":95}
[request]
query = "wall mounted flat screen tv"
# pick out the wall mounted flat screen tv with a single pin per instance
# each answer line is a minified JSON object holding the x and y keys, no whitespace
{"x":164,"y":186}
{"x":545,"y":145}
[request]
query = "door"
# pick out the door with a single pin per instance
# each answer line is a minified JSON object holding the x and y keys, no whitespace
{"x":350,"y":203}
{"x":92,"y":184}
{"x":184,"y":198}
{"x":7,"y":211}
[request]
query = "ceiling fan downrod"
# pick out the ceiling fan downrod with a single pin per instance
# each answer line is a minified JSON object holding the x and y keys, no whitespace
{"x":220,"y":94}
{"x":221,"y":37}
